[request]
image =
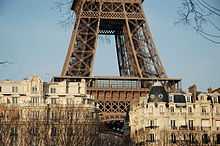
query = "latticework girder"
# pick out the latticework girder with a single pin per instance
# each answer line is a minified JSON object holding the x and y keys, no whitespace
{"x":136,"y":51}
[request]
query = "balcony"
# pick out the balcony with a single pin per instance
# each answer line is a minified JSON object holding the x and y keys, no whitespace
{"x":152,"y":127}
{"x":205,"y":114}
{"x":183,"y":127}
{"x":174,"y":128}
{"x":206,"y":128}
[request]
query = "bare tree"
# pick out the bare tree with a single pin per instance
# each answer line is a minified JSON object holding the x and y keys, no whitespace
{"x":64,"y":9}
{"x":202,"y":16}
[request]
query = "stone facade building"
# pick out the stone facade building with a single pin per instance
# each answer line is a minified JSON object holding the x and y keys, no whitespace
{"x":165,"y":119}
{"x":37,"y":113}
{"x":36,"y":92}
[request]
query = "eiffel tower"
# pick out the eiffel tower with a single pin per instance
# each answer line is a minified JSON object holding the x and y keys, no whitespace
{"x":138,"y":61}
{"x":136,"y":52}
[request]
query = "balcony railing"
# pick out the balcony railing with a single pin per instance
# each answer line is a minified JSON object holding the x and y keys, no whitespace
{"x":152,"y":126}
{"x":205,"y":114}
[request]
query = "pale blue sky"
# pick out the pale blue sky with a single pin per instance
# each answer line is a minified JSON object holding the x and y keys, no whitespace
{"x":33,"y":41}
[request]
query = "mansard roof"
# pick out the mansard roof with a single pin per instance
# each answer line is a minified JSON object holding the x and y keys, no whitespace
{"x":158,"y":94}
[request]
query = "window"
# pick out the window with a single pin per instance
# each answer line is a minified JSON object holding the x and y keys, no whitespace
{"x":218,"y":99}
{"x":173,"y":138}
{"x":69,"y":131}
{"x":34,"y":131}
{"x":34,"y":89}
{"x":203,"y":109}
{"x":52,"y":90}
{"x":217,"y":123}
{"x":191,"y":138}
{"x":202,"y":98}
{"x":78,"y":88}
{"x":15,"y":89}
{"x":190,"y":109}
{"x":35,"y":114}
{"x":188,"y":99}
{"x":0,"y":89}
{"x":69,"y":101}
{"x":190,"y":124}
{"x":173,"y":124}
{"x":35,"y":100}
{"x":151,"y":109}
{"x":161,"y":109}
{"x":218,"y":139}
{"x":205,"y":139}
{"x":53,"y":101}
{"x":152,"y":138}
{"x":215,"y":100}
{"x":152,"y":96}
{"x":53,"y":115}
{"x":14,"y":100}
{"x":14,"y":131}
{"x":8,"y":101}
{"x":172,"y":109}
{"x":53,"y":131}
{"x":170,"y":98}
{"x":206,"y":123}
{"x":160,"y":96}
{"x":14,"y":136}
{"x":151,"y":123}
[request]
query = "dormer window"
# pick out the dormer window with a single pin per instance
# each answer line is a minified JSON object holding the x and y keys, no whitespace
{"x":52,"y":90}
{"x":172,"y":109}
{"x":202,"y":97}
{"x":215,"y":99}
{"x":14,"y":100}
{"x":160,"y":96}
{"x":14,"y":89}
{"x":170,"y":98}
{"x":203,"y":110}
{"x":188,"y":99}
{"x":152,"y":96}
{"x":34,"y":89}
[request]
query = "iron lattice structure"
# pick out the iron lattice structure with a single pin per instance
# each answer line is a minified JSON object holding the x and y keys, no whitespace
{"x":136,"y":51}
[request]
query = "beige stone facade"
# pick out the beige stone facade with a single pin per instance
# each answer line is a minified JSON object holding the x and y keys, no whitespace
{"x":33,"y":112}
{"x":178,"y":121}
{"x":35,"y":92}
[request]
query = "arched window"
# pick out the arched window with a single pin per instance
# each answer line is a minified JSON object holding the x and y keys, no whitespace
{"x":205,"y":139}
